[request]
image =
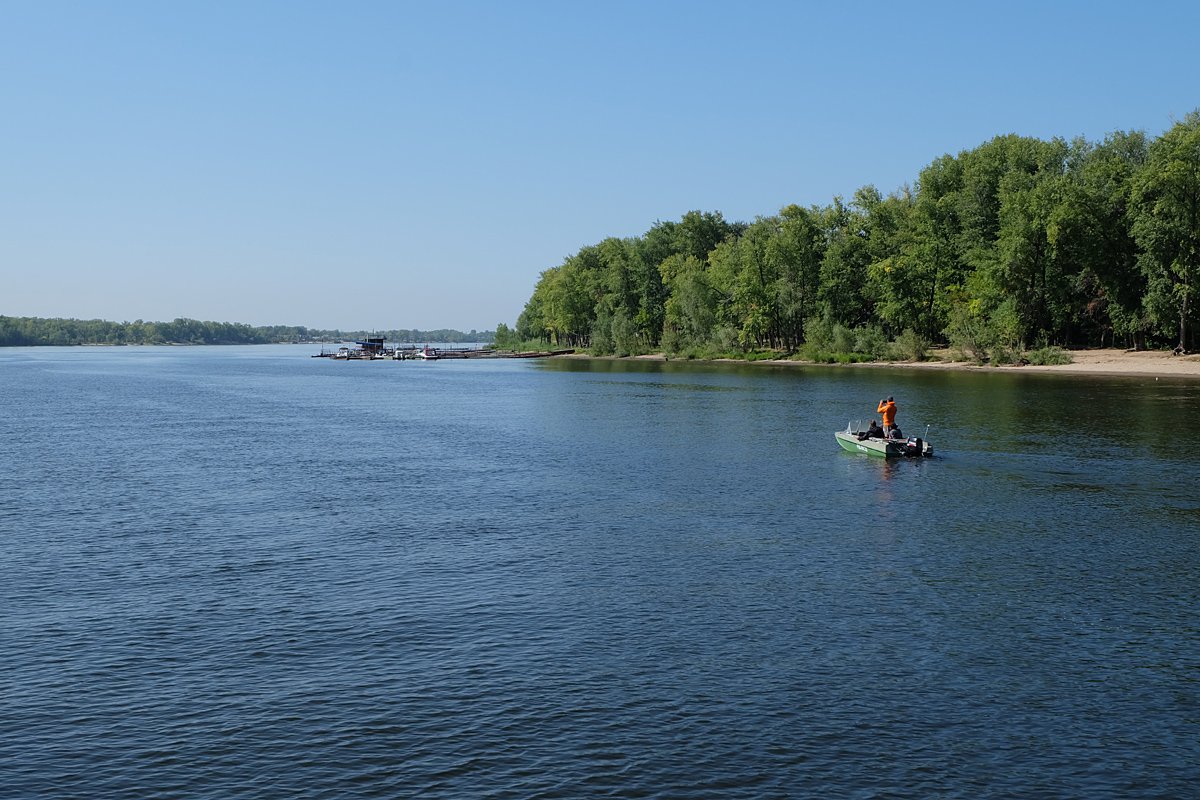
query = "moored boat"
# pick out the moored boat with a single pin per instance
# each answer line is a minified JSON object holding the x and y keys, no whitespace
{"x":885,"y":448}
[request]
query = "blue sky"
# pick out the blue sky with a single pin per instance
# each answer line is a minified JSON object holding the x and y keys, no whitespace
{"x":374,"y":165}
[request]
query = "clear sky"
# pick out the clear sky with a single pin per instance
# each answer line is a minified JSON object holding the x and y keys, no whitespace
{"x":376,"y":165}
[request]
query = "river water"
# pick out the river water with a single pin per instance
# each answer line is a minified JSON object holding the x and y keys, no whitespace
{"x":241,"y":572}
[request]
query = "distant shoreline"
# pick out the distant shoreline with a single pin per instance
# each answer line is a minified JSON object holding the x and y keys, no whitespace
{"x":1100,"y":362}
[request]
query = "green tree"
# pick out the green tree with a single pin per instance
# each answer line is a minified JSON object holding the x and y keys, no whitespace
{"x":846,"y":263}
{"x":1094,"y":233}
{"x":691,"y":306}
{"x":794,"y":254}
{"x":620,"y":276}
{"x":1009,"y":192}
{"x":693,"y":237}
{"x":1166,"y":199}
{"x":930,"y":263}
{"x":1029,"y":273}
{"x":744,"y":276}
{"x":531,"y":324}
{"x":505,"y":338}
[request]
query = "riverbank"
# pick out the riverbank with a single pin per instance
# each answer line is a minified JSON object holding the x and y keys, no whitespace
{"x":1118,"y":362}
{"x":1156,"y":363}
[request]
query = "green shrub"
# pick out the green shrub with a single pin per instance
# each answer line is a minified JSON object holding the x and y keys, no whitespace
{"x":843,"y":339}
{"x":820,"y":356}
{"x":1000,"y":354}
{"x":970,"y":335}
{"x":625,"y":339}
{"x":1048,"y":356}
{"x":818,"y":332}
{"x":672,"y":341}
{"x":602,"y":342}
{"x":870,"y":340}
{"x":910,"y":346}
{"x":725,"y":339}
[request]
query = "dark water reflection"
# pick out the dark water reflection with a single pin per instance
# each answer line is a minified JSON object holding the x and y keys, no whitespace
{"x":241,"y":572}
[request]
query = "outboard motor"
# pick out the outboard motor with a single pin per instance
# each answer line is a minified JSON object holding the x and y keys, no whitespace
{"x":914,"y":447}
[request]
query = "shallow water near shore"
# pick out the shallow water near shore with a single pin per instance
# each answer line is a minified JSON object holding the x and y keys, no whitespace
{"x":241,"y":572}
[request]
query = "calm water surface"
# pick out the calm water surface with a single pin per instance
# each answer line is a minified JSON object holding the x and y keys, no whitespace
{"x":247,"y":573}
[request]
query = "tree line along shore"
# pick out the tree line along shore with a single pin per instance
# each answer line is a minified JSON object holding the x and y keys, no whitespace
{"x":1015,"y":248}
{"x":36,"y":331}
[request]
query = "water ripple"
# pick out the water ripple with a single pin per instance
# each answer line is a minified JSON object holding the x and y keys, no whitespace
{"x":238,"y":572}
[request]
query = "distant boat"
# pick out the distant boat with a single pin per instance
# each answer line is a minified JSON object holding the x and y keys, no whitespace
{"x":426,"y":353}
{"x":372,"y":349}
{"x":858,"y":442}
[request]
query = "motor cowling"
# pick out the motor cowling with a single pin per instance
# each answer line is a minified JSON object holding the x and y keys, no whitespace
{"x":914,"y":446}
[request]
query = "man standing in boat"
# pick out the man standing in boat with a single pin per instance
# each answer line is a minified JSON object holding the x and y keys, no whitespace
{"x":888,"y":409}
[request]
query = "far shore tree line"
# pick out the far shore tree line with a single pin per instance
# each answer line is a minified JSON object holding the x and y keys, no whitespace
{"x":1016,"y":244}
{"x":33,"y":331}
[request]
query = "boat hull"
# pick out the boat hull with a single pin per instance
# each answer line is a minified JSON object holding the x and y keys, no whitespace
{"x":881,"y":448}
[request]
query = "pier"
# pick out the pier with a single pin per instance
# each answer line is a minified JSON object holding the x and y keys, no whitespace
{"x":378,"y":350}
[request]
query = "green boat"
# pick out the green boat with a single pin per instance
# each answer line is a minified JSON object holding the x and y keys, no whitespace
{"x":884,"y":448}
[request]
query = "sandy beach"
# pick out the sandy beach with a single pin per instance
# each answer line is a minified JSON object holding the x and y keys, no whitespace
{"x":1157,"y":363}
{"x":1098,"y":362}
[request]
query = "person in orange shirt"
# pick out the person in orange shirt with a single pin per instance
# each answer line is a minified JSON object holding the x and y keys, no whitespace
{"x":888,"y":409}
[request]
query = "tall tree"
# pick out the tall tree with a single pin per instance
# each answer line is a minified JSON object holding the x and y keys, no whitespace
{"x":691,"y":307}
{"x":742,"y":275}
{"x":694,"y":236}
{"x":1094,"y":231}
{"x":1030,"y":275}
{"x":795,"y":251}
{"x":845,"y":266}
{"x":1166,"y":197}
{"x":903,"y":277}
{"x":1005,"y":204}
{"x":935,"y":251}
{"x":531,"y":324}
